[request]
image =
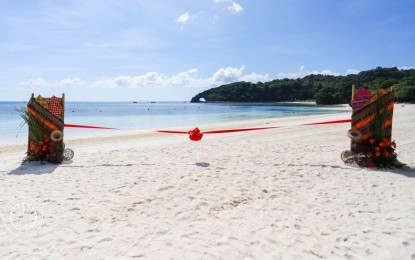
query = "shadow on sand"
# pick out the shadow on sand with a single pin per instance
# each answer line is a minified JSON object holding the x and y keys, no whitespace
{"x":202,"y":164}
{"x":408,"y":171}
{"x":36,"y":168}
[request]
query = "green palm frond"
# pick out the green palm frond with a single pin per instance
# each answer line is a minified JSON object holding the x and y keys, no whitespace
{"x":36,"y":129}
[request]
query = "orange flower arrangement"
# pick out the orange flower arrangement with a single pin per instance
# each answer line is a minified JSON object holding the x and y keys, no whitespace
{"x":381,"y":154}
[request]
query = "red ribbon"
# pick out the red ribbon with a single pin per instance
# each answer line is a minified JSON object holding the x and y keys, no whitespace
{"x":218,"y":131}
{"x":196,"y":135}
{"x":88,"y":126}
{"x":330,"y":122}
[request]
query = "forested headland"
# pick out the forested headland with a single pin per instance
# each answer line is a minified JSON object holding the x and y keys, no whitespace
{"x":324,"y":89}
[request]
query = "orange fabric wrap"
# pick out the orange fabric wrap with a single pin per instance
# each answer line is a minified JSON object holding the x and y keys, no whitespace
{"x":42,"y":120}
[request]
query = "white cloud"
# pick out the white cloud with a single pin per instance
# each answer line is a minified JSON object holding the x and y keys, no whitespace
{"x":183,"y":19}
{"x":228,"y":74}
{"x":187,"y":78}
{"x":40,"y":82}
{"x":325,"y":72}
{"x":150,"y":79}
{"x":352,"y":71}
{"x":35,"y":83}
{"x":72,"y":81}
{"x":302,"y":72}
{"x":235,"y":7}
{"x":254,"y":77}
{"x":406,"y":68}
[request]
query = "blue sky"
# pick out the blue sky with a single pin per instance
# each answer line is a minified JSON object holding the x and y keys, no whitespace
{"x":137,"y":50}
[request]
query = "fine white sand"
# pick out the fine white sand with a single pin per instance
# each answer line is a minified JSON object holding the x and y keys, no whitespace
{"x":280,"y":193}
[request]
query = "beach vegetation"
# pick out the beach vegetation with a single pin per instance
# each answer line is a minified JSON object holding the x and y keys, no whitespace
{"x":323,"y":89}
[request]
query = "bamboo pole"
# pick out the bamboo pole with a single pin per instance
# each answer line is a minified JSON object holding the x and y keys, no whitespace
{"x":351,"y":102}
{"x":63,"y":106}
{"x":353,"y":91}
{"x":28,"y":130}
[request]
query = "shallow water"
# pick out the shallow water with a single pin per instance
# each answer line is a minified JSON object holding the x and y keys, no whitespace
{"x":148,"y":116}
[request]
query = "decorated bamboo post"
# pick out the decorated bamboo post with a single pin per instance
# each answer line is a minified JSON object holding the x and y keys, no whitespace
{"x":371,"y":130}
{"x":353,"y":92}
{"x":45,"y":118}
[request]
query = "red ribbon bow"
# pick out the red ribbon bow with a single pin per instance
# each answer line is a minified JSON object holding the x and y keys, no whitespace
{"x":195,"y":134}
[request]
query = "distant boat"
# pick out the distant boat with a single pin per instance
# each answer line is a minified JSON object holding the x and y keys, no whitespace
{"x":135,"y":102}
{"x":152,"y":102}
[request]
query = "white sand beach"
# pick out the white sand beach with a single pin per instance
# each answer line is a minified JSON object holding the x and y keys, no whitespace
{"x":272,"y":194}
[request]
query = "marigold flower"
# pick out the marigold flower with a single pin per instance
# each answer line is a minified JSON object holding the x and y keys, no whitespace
{"x":377,"y":149}
{"x":377,"y":154}
{"x":372,"y":164}
{"x":370,"y":154}
{"x":372,"y":140}
{"x":40,"y":143}
{"x":386,"y":154}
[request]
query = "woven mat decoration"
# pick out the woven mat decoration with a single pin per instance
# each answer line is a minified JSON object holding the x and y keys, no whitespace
{"x":50,"y":120}
{"x":362,"y":119}
{"x":55,"y":106}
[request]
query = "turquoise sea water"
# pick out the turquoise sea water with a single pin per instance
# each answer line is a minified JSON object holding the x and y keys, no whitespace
{"x":147,"y":116}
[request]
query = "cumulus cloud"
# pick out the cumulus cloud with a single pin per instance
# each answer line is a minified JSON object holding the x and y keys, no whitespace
{"x":40,"y":82}
{"x":72,"y":81}
{"x":352,"y":71}
{"x":302,"y":72}
{"x":254,"y":77}
{"x":35,"y":83}
{"x":187,"y":78}
{"x":228,"y":74}
{"x":235,"y":7}
{"x":183,"y":19}
{"x":406,"y":68}
{"x":150,"y":79}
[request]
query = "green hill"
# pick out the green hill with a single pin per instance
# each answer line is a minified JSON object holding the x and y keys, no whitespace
{"x":324,"y":89}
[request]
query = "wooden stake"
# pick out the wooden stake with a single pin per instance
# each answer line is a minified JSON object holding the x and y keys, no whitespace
{"x":353,"y":91}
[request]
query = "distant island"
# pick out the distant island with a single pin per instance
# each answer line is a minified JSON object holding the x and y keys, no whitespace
{"x":324,"y":89}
